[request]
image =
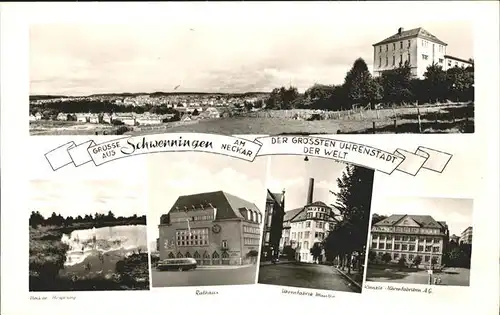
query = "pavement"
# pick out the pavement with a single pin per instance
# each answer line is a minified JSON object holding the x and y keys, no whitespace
{"x":205,"y":276}
{"x":311,"y":276}
{"x":449,"y":276}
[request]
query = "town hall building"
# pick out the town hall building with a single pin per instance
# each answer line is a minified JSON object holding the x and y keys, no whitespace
{"x":215,"y":228}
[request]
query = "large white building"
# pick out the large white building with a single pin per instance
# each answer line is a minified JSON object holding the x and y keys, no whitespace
{"x":309,"y":225}
{"x":418,"y":47}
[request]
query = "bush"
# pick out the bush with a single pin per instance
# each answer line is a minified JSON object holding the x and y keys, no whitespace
{"x":386,"y":258}
{"x":253,"y":253}
{"x":117,"y":122}
{"x":122,"y":129}
{"x":402,"y":262}
{"x":417,"y":260}
{"x":372,"y":256}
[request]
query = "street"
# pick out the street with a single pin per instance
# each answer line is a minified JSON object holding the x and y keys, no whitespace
{"x":201,"y":277}
{"x":449,"y":276}
{"x":310,"y":276}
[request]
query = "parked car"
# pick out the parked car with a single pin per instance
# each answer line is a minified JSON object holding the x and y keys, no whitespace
{"x":179,"y":264}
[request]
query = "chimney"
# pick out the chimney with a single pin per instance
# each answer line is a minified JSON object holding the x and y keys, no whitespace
{"x":310,"y":191}
{"x":400,"y":30}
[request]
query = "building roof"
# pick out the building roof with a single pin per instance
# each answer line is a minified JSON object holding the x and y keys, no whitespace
{"x":416,"y":32}
{"x":318,"y":203}
{"x":290,"y":214}
{"x":228,"y":206}
{"x":459,"y":59}
{"x":422,"y":220}
{"x":277,"y":197}
{"x":302,"y":215}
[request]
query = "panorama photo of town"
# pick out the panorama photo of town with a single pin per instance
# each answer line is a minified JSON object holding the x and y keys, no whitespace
{"x":113,"y":80}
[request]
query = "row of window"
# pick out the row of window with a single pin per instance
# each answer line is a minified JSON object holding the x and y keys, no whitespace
{"x":393,"y":60}
{"x":195,"y":218}
{"x":394,"y":46}
{"x":251,"y":230}
{"x":250,"y":241}
{"x":400,"y":229}
{"x":404,"y":238}
{"x":407,"y":247}
{"x":206,"y":255}
{"x":307,"y":224}
{"x":306,"y":235}
{"x":410,"y":257}
{"x":322,"y":216}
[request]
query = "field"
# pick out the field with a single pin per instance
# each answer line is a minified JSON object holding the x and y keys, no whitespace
{"x":457,"y":118}
{"x":47,"y":254}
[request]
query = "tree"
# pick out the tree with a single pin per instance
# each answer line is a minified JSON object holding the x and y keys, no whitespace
{"x":434,"y":261}
{"x":435,"y":83}
{"x":316,"y":250}
{"x":386,"y":258}
{"x":358,"y":83}
{"x":353,"y":201}
{"x":397,"y":84}
{"x":195,"y":112}
{"x":372,"y":256}
{"x":417,"y":260}
{"x":377,"y":218}
{"x":460,"y":83}
{"x":401,"y":262}
{"x":36,"y":219}
{"x":110,"y":216}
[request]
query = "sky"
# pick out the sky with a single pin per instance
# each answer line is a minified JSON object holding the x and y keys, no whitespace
{"x":292,"y":173}
{"x":83,"y":59}
{"x":79,"y":197}
{"x":457,"y":213}
{"x":177,"y":174}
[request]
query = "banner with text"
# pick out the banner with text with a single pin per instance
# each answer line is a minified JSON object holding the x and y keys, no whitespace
{"x":314,"y":146}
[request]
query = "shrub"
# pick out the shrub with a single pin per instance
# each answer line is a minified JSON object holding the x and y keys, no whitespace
{"x":386,"y":258}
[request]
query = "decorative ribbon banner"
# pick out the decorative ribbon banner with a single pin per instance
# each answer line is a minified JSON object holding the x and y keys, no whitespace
{"x":71,"y":153}
{"x":355,"y":153}
{"x":349,"y":152}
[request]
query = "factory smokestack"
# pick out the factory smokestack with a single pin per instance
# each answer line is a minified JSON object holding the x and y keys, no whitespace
{"x":310,"y":192}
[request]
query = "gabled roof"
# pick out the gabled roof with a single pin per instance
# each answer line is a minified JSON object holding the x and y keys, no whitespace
{"x":290,"y":214}
{"x":228,"y":206}
{"x":422,"y":220}
{"x":416,"y":32}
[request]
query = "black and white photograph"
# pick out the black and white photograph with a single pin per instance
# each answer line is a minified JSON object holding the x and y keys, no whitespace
{"x":264,"y":78}
{"x":315,"y":224}
{"x":87,"y":235}
{"x":204,"y":219}
{"x":421,"y":240}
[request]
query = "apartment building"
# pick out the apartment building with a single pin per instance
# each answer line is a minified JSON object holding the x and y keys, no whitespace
{"x":406,"y":236}
{"x":466,"y":236}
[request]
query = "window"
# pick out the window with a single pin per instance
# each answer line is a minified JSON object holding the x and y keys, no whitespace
{"x":401,"y":59}
{"x":380,"y":49}
{"x":306,"y":234}
{"x":397,"y":246}
{"x":251,"y":241}
{"x":405,"y":238}
{"x":397,"y":238}
{"x":387,"y":47}
{"x":425,"y":57}
{"x":404,"y":247}
{"x":381,"y":246}
{"x":393,"y":46}
{"x":403,"y":256}
{"x":386,"y":61}
{"x":293,"y":235}
{"x":374,"y":245}
{"x":440,"y":60}
{"x":319,"y":225}
{"x":195,"y":237}
{"x":268,"y":236}
{"x":306,"y":245}
{"x":412,"y":238}
{"x":437,"y":240}
{"x":308,"y":224}
{"x":420,"y":248}
{"x":410,"y":257}
{"x":428,"y":249}
{"x":393,"y":60}
{"x":409,"y":43}
{"x":409,"y":58}
{"x":400,"y":45}
{"x":435,"y":249}
{"x":396,"y":255}
{"x":300,"y":236}
{"x":411,"y":248}
{"x":224,"y":244}
{"x":428,"y":240}
{"x":427,"y":258}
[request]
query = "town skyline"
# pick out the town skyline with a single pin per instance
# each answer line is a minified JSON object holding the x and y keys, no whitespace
{"x":81,"y":60}
{"x":456,"y":212}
